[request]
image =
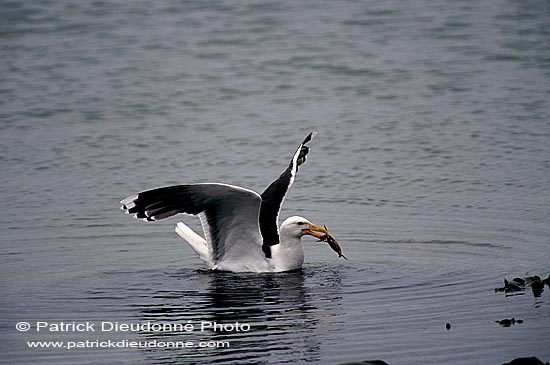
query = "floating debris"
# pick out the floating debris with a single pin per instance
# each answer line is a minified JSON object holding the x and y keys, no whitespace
{"x":367,"y":362}
{"x":519,"y":281}
{"x":535,"y":282}
{"x":526,"y":361}
{"x":537,"y":286}
{"x":448,"y":326}
{"x":508,"y":322}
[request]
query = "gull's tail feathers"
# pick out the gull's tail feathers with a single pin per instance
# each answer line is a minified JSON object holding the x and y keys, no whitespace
{"x":197,"y":243}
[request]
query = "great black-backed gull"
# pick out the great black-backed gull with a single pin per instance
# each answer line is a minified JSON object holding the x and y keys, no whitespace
{"x":240,"y":225}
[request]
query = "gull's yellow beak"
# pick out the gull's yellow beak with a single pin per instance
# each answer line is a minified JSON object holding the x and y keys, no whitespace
{"x":312,"y":230}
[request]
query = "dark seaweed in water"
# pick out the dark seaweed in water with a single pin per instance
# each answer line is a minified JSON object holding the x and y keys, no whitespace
{"x":526,"y":361}
{"x":520,"y":284}
{"x":507,"y":322}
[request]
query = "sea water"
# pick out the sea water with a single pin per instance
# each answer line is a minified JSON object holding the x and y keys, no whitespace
{"x":431,"y":168}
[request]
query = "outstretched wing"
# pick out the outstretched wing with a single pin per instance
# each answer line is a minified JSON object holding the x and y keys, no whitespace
{"x":274,"y":195}
{"x":229,"y":214}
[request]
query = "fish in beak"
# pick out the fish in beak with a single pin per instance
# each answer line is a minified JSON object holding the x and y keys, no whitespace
{"x":312,"y":230}
{"x":326,"y":237}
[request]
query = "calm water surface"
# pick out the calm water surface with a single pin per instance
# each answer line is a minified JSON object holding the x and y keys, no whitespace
{"x":431,"y":168}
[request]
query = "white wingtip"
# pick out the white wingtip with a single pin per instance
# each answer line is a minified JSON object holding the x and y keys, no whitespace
{"x":309,"y":137}
{"x":128,"y":199}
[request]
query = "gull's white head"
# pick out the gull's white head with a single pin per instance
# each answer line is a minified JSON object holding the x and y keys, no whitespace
{"x":298,"y":226}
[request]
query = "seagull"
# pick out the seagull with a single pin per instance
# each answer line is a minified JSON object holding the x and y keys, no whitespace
{"x":241,"y":232}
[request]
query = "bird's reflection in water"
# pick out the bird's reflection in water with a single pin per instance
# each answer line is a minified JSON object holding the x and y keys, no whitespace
{"x":279,"y":309}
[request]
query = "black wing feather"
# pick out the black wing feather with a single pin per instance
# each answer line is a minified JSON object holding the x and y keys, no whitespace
{"x":274,"y":195}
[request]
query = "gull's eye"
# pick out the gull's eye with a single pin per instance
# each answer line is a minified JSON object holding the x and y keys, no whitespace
{"x":301,"y":223}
